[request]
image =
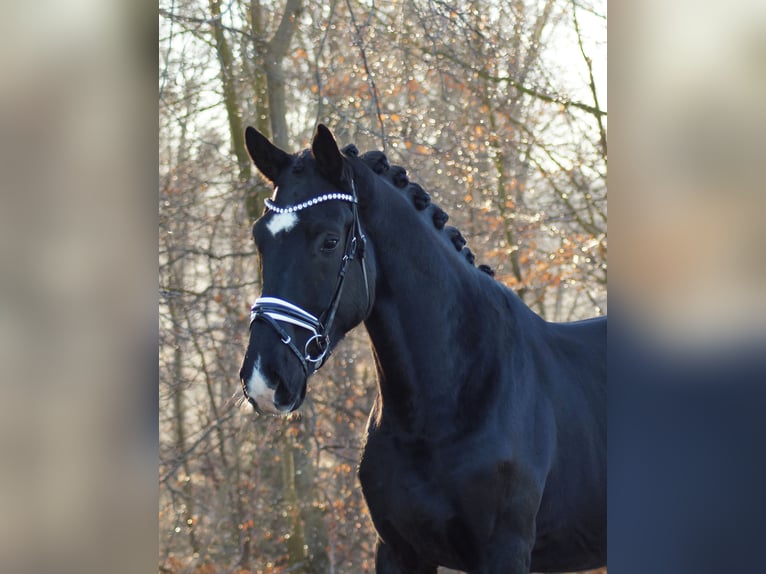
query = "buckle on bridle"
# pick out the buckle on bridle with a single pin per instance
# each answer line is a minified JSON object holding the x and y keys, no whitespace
{"x":322,"y":344}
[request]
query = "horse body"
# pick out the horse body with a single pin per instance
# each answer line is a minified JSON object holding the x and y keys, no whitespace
{"x":486,"y":445}
{"x":479,"y":400}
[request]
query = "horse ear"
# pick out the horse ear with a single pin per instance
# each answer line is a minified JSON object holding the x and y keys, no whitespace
{"x":328,"y":157}
{"x":268,"y":158}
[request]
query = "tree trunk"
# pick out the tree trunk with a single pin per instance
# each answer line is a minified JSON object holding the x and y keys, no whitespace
{"x":179,"y":412}
{"x":296,"y":543}
{"x":230,"y":98}
{"x":272,"y":54}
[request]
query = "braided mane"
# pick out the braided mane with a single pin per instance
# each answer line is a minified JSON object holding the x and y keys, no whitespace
{"x":421,"y":200}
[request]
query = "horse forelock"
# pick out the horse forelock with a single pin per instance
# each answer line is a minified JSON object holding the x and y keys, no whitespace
{"x":299,"y":163}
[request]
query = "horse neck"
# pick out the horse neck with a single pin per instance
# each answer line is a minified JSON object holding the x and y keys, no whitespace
{"x":434,"y":316}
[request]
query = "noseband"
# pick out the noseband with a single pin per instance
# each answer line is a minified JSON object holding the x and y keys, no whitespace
{"x":274,"y":310}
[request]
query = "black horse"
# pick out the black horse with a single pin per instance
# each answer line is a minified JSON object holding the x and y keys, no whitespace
{"x":486,"y":445}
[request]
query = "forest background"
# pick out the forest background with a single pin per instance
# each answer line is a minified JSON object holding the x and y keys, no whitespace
{"x":497,"y":108}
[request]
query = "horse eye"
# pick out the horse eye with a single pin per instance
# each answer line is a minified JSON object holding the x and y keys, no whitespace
{"x":329,"y":244}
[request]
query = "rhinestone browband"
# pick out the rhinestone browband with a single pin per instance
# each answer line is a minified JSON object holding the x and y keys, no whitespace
{"x":308,"y":203}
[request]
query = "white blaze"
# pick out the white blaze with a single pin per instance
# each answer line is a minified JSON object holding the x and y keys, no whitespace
{"x":259,"y":391}
{"x":281,"y":222}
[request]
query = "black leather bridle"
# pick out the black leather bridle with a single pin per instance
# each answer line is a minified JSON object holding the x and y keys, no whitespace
{"x":274,"y":310}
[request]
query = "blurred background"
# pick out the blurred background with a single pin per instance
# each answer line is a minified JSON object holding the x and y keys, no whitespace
{"x":689,"y":97}
{"x":492,"y":108}
{"x":498,"y":109}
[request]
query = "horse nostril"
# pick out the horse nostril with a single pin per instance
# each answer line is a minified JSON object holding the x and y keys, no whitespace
{"x":283,"y":398}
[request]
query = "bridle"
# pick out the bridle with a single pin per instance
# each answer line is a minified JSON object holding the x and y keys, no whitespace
{"x":274,"y":310}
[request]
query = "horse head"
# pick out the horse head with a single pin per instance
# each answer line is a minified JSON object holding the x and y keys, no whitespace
{"x":317,"y":268}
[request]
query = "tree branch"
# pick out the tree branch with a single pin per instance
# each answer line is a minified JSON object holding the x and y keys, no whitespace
{"x":560,"y":100}
{"x":370,"y":80}
{"x":280,"y":41}
{"x":228,"y":414}
{"x":592,"y":82}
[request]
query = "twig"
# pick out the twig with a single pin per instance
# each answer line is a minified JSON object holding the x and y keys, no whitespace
{"x":229,"y":412}
{"x":589,"y":63}
{"x":560,"y":100}
{"x":370,"y":80}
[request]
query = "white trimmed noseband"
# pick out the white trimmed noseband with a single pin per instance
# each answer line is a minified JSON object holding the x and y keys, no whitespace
{"x":308,"y":203}
{"x":299,"y":317}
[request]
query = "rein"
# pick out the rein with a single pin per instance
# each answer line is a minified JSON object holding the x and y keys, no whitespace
{"x":274,"y":310}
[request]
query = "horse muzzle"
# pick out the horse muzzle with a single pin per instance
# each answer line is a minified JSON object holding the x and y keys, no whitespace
{"x":269,"y":392}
